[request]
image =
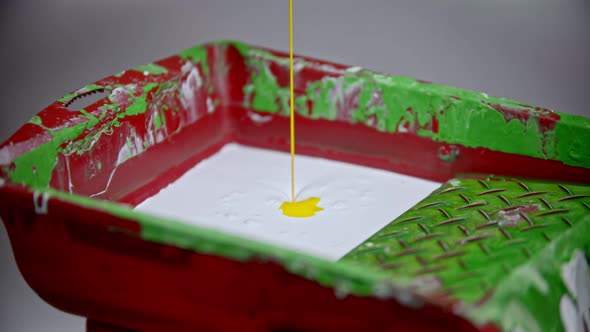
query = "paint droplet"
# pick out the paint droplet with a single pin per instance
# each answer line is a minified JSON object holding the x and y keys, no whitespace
{"x":40,"y":202}
{"x":145,"y":73}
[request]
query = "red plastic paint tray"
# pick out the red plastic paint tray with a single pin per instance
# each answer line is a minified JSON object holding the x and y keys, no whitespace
{"x":493,"y":251}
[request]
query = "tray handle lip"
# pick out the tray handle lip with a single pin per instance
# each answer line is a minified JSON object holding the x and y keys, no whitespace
{"x":359,"y":280}
{"x":36,"y":132}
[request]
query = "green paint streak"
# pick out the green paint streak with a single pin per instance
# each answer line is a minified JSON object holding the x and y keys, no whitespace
{"x":152,"y":69}
{"x":572,"y":140}
{"x":92,"y":120}
{"x":67,"y":98}
{"x":490,"y":129}
{"x":85,"y":89}
{"x":197,"y":54}
{"x":267,"y":90}
{"x":464,"y":117}
{"x":34,"y":168}
{"x":36,"y":120}
{"x":139,"y":105}
{"x":323,"y":106}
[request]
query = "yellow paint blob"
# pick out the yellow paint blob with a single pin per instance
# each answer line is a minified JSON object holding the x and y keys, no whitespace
{"x":301,"y":209}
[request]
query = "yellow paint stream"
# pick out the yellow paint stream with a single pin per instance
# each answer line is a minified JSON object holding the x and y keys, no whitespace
{"x":308,"y":207}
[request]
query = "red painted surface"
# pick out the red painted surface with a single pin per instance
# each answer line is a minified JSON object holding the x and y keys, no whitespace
{"x":98,"y":267}
{"x":94,"y":264}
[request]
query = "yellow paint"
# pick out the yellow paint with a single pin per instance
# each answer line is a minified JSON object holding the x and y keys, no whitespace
{"x":291,"y":100}
{"x":308,"y":207}
{"x":301,"y":209}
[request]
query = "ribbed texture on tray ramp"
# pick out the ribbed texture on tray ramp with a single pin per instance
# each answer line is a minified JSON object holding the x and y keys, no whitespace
{"x":494,"y":249}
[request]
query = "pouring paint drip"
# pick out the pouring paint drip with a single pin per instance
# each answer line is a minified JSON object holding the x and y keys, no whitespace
{"x":302,"y":209}
{"x":309,"y":207}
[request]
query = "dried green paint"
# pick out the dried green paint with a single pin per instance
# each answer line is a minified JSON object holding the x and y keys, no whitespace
{"x":464,"y":117}
{"x":92,"y":120}
{"x":36,"y":120}
{"x":34,"y":168}
{"x":197,"y":54}
{"x":151,"y":69}
{"x":139,"y":105}
{"x":86,"y":89}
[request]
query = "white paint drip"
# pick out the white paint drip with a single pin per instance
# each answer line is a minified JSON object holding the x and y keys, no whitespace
{"x":259,"y":118}
{"x":454,"y":182}
{"x":186,"y":67}
{"x":189,"y":88}
{"x":575,"y":306}
{"x":210,"y":106}
{"x":70,"y":185}
{"x":81,"y":91}
{"x":119,"y":95}
{"x":239,"y":191}
{"x":40,"y":201}
{"x":12,"y":151}
{"x":124,"y":155}
{"x":2,"y":181}
{"x":130,"y":149}
{"x":107,"y":185}
{"x":354,"y":70}
{"x":298,"y":65}
{"x":160,"y":136}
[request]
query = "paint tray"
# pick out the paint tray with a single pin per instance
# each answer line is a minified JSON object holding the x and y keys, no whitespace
{"x":501,"y":245}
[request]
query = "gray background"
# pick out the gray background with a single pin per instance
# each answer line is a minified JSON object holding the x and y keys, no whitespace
{"x":534,"y":51}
